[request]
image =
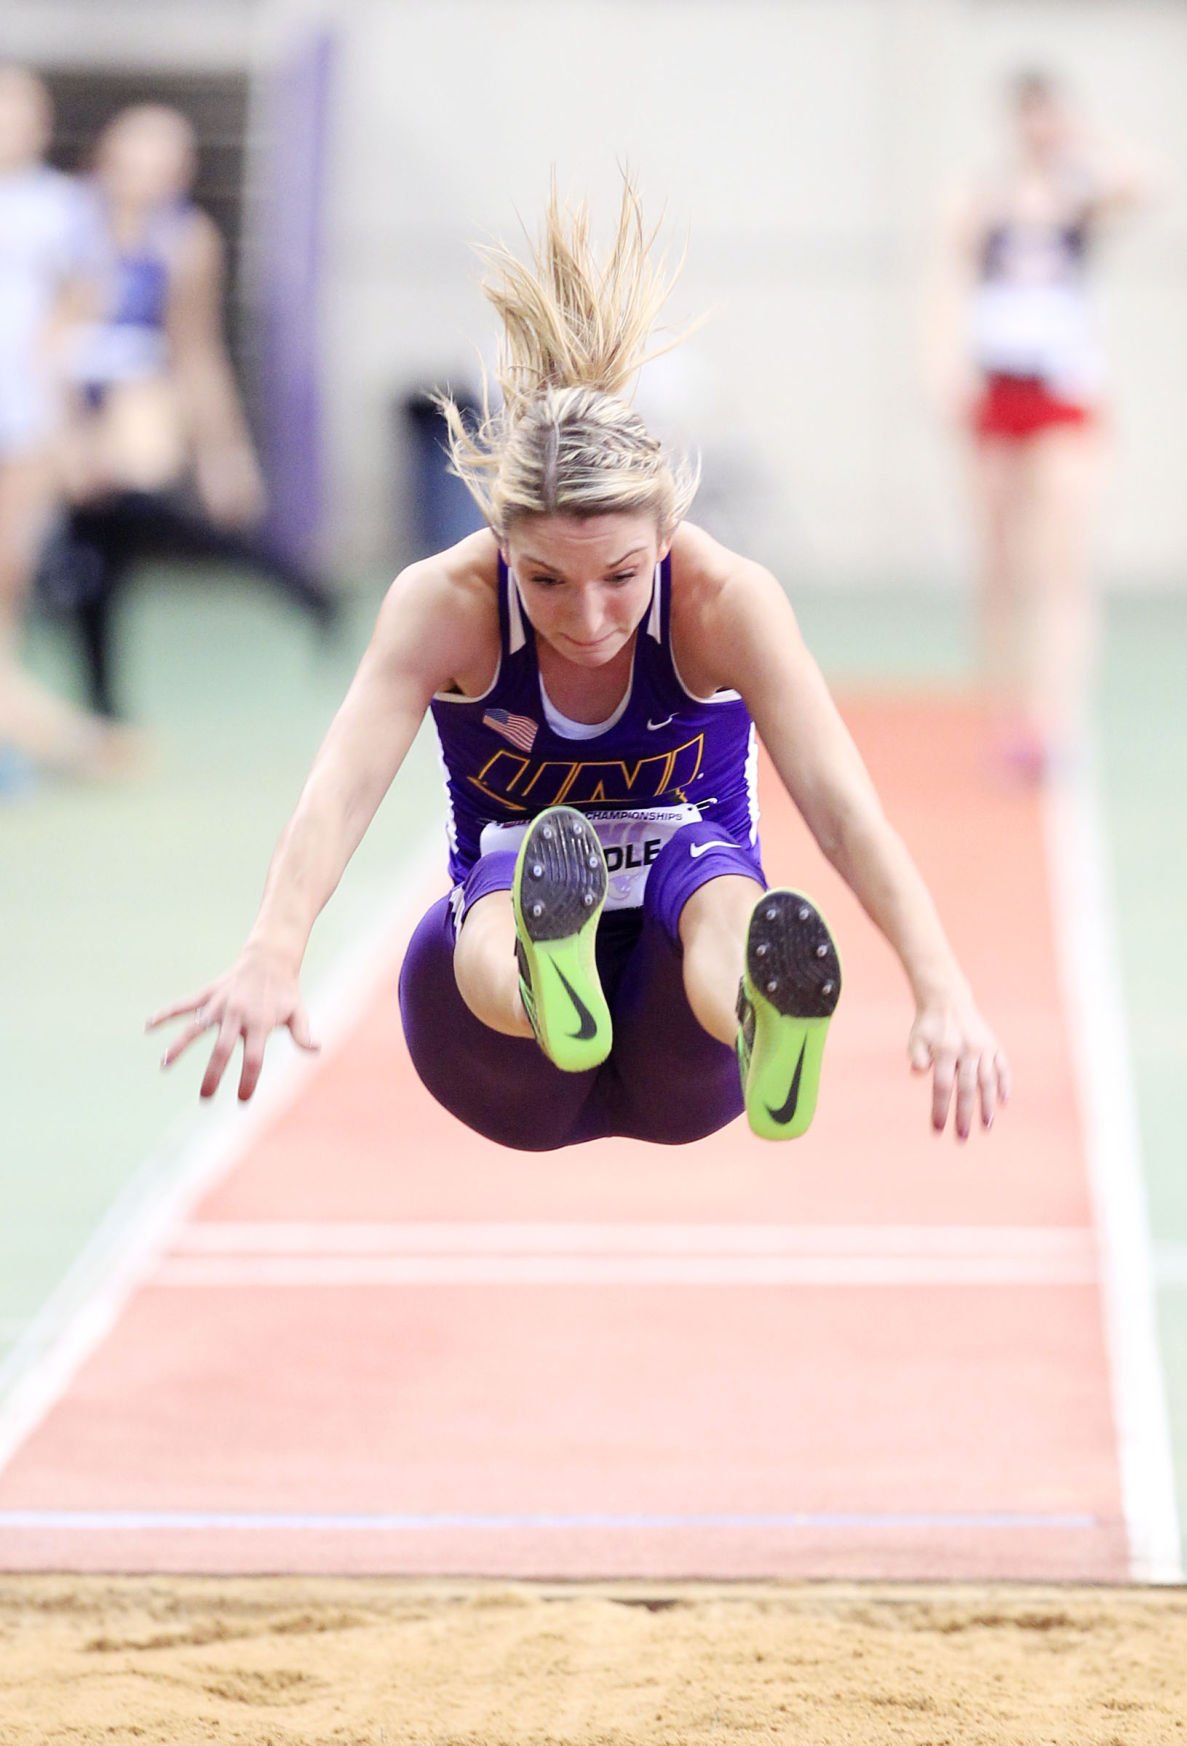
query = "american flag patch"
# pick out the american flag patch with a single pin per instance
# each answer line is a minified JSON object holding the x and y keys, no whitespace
{"x":521,"y":730}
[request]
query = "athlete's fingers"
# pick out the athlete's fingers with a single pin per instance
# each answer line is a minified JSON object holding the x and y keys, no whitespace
{"x":942,"y":1084}
{"x":180,"y":1044}
{"x":179,"y":1007}
{"x":987,"y":1082}
{"x":1005,"y":1077}
{"x":254,"y":1044}
{"x":301,"y":1031}
{"x":224,"y":1048}
{"x":966,"y":1093}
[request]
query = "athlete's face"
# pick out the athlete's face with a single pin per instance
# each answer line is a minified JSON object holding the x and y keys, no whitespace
{"x":145,"y":157}
{"x":1043,"y":126}
{"x":585,"y":580}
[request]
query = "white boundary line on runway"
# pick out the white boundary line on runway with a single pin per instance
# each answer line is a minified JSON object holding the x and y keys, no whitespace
{"x":254,"y":1521}
{"x":127,"y":1246}
{"x":449,"y":1237}
{"x":1094,"y":1005}
{"x":201,"y":1272}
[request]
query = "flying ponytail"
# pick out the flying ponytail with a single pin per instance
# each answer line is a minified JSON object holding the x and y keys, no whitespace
{"x":576,"y":332}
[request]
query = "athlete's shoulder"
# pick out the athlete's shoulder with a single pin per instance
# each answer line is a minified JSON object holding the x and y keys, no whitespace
{"x":720,"y":599}
{"x":53,"y":183}
{"x":46,"y":180}
{"x":972,"y":201}
{"x":446,"y":606}
{"x":706,"y":573}
{"x":463,"y":578}
{"x":41,"y":194}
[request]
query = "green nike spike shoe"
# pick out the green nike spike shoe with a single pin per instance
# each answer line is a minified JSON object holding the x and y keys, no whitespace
{"x":558,"y":892}
{"x":788,"y":993}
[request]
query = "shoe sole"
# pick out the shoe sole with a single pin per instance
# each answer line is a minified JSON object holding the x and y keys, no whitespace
{"x":558,"y":893}
{"x":792,"y":979}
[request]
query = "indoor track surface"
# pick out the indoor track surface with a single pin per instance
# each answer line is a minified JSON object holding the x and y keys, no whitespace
{"x":367,"y":1341}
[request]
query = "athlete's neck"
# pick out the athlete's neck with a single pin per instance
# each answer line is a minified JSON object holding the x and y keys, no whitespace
{"x":585,"y":694}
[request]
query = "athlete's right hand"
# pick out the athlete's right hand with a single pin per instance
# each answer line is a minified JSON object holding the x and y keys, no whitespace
{"x":259,"y":994}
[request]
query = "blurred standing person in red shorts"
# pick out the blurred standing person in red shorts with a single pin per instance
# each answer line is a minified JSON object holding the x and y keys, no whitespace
{"x":1014,"y":357}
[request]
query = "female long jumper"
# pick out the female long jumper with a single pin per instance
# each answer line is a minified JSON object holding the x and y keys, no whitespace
{"x":611,"y":960}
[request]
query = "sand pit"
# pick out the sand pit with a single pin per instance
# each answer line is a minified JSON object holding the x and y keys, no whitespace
{"x":292,"y":1661}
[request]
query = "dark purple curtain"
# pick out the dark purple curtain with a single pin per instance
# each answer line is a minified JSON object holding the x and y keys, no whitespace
{"x":291,"y":253}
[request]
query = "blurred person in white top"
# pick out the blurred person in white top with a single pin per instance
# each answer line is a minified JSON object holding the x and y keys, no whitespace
{"x":46,"y":259}
{"x":1015,"y":362}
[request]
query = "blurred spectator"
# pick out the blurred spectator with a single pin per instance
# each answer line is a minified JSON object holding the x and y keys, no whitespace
{"x":1015,"y":358}
{"x":159,"y":458}
{"x":46,"y":252}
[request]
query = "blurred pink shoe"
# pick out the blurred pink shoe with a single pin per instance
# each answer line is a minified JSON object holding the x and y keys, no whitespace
{"x":1023,"y":755}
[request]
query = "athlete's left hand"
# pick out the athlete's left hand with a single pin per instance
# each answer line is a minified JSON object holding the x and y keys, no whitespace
{"x":951,"y":1040}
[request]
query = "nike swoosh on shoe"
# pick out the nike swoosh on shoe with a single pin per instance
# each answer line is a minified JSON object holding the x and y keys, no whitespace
{"x":586,"y":1021}
{"x":787,"y":1110}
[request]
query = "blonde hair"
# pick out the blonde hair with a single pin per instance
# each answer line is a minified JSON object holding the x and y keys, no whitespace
{"x":576,"y":331}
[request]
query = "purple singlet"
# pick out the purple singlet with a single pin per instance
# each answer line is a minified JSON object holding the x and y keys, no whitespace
{"x":663,"y":760}
{"x":668,"y":783}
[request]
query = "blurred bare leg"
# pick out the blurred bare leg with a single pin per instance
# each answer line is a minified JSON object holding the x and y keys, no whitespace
{"x":26,"y":499}
{"x":998,"y":489}
{"x":1065,"y":470}
{"x":44,"y":727}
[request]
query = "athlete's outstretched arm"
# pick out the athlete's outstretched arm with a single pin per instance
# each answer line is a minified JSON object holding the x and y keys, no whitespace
{"x":950,"y":376}
{"x":426,"y":632}
{"x":748,"y":632}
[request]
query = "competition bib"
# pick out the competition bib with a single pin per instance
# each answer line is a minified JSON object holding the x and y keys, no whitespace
{"x":631,"y":840}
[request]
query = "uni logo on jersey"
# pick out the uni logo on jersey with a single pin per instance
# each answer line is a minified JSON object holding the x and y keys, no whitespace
{"x":522,"y":784}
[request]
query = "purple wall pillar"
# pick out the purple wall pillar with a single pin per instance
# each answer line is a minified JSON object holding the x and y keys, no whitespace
{"x":290,"y":259}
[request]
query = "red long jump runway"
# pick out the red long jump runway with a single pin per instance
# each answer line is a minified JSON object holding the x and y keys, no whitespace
{"x":381,"y":1344}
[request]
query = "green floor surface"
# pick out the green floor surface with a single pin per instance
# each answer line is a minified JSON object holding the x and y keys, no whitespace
{"x":117,"y":899}
{"x":1143,"y":765}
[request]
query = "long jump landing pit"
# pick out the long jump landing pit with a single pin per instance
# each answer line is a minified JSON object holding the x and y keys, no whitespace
{"x":376,"y":1344}
{"x":371,"y":1662}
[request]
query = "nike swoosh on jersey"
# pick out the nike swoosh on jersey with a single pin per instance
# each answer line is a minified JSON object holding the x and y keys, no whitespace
{"x":655,"y":726}
{"x":586,"y":1021}
{"x":785,"y":1113}
{"x":698,"y":849}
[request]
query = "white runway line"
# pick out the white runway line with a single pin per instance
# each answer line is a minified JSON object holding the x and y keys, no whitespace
{"x":559,"y":1237}
{"x":1094,"y":1006}
{"x":460,"y":1253}
{"x":127,"y":1246}
{"x":200,"y":1272}
{"x":325,"y":1522}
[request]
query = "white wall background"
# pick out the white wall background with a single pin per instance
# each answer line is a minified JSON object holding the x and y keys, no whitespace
{"x":801,"y":145}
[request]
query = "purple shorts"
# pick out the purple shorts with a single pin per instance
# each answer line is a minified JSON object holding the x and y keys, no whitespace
{"x":666,"y":1080}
